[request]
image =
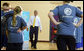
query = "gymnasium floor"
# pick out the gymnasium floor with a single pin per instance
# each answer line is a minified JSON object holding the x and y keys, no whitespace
{"x":42,"y":46}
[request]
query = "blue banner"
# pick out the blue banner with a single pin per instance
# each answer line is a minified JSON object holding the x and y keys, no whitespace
{"x":25,"y":16}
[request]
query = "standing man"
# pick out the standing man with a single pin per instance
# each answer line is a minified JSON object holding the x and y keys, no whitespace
{"x":34,"y":24}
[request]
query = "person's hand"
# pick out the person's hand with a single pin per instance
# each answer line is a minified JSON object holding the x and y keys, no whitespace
{"x":19,"y":30}
{"x":76,"y":25}
{"x":50,"y":15}
{"x":59,"y":23}
{"x":27,"y":29}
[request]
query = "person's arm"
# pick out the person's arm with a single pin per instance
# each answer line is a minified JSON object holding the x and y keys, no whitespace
{"x":9,"y":13}
{"x":21,"y":29}
{"x":80,"y":14}
{"x":54,"y":13}
{"x":24,"y":26}
{"x":80,"y":22}
{"x":52,"y":18}
{"x":7,"y":33}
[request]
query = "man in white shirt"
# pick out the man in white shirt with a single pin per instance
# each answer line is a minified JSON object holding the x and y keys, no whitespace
{"x":34,"y":24}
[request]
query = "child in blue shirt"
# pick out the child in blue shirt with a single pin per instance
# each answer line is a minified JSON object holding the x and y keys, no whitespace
{"x":78,"y":33}
{"x":66,"y":27}
{"x":5,"y":14}
{"x":16,"y":25}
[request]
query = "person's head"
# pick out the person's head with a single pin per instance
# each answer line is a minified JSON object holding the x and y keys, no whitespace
{"x":6,"y":6}
{"x":17,"y":10}
{"x":35,"y":12}
{"x":67,"y":1}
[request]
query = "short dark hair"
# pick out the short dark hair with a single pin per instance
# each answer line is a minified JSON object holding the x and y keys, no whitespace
{"x":79,"y":7}
{"x":68,"y":1}
{"x":6,"y":4}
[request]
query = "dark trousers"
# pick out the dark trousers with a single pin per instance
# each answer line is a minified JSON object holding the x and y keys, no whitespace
{"x":14,"y":46}
{"x":33,"y":31}
{"x":3,"y":38}
{"x":64,"y":41}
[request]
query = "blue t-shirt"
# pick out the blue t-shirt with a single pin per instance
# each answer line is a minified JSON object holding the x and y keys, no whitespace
{"x":78,"y":30}
{"x":14,"y":36}
{"x":66,"y":13}
{"x":4,"y":14}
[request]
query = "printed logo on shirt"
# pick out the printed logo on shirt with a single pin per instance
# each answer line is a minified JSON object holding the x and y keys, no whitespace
{"x":68,"y":11}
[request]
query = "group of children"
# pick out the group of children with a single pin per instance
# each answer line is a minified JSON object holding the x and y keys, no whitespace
{"x":12,"y":25}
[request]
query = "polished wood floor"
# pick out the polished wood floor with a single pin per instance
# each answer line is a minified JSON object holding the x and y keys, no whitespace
{"x":41,"y":46}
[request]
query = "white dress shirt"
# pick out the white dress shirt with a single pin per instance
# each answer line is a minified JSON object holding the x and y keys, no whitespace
{"x":37,"y":23}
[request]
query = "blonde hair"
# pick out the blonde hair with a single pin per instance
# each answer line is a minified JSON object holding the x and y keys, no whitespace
{"x":17,"y":10}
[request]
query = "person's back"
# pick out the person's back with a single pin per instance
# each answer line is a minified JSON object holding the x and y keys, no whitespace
{"x":5,"y":14}
{"x":66,"y":14}
{"x":16,"y":37}
{"x":15,"y":26}
{"x":65,"y":25}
